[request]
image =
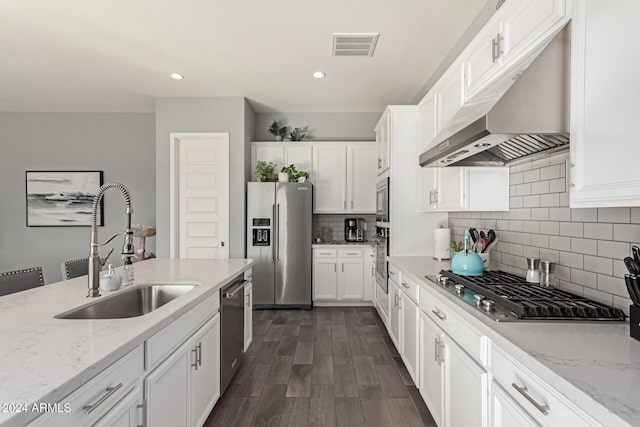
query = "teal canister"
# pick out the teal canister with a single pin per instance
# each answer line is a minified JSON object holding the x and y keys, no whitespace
{"x":467,"y":263}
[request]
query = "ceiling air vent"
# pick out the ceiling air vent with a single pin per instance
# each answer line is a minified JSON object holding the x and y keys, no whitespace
{"x":354,"y":44}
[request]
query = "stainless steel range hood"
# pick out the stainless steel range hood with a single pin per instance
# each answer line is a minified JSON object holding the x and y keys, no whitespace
{"x":528,"y":116}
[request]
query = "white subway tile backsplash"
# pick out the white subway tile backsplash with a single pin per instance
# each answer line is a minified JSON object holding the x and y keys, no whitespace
{"x":598,"y":265}
{"x":626,"y":232}
{"x":584,"y":215}
{"x":573,"y":229}
{"x":587,"y":245}
{"x":584,"y":246}
{"x":598,"y":231}
{"x":550,"y":200}
{"x":618,"y":215}
{"x":550,"y":172}
{"x":616,"y":250}
{"x":560,"y":243}
{"x":560,"y":214}
{"x":584,"y":278}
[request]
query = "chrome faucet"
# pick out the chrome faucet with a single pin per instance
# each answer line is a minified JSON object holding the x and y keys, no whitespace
{"x":128,"y":251}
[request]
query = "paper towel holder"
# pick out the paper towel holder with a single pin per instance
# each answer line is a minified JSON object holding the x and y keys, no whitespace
{"x":441,"y":243}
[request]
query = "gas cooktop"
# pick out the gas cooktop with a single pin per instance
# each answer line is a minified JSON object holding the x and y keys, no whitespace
{"x":507,"y":297}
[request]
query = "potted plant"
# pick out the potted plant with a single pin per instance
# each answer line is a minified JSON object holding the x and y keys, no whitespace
{"x":456,"y":247}
{"x":294,"y":174}
{"x":303,"y":176}
{"x":297,"y":134}
{"x":266,"y":171}
{"x":277,"y":131}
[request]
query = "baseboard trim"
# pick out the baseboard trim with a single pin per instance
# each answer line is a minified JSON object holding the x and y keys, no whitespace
{"x":343,"y":304}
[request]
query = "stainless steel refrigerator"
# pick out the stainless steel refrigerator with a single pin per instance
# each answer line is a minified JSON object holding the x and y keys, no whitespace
{"x":279,"y":239}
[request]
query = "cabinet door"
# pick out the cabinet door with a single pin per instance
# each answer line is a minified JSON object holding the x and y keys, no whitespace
{"x":361,"y":178}
{"x":431,"y":369}
{"x":465,"y":381}
{"x":382,"y":143}
{"x":126,"y":413}
{"x":604,"y":108}
{"x":369,"y":274}
{"x":248,"y":315}
{"x":410,"y":350}
{"x":450,"y":193}
{"x":505,"y":412}
{"x":427,"y":188}
{"x":300,"y":156}
{"x":330,"y":183}
{"x":483,"y":61}
{"x":394,"y":314}
{"x":205,"y":384}
{"x":168,"y":389}
{"x":450,"y":99}
{"x":351,"y":279}
{"x":428,"y":122}
{"x":267,"y":154}
{"x":325,"y":279}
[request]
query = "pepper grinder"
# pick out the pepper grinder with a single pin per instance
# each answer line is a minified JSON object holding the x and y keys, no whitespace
{"x":533,"y":275}
{"x":547,"y":274}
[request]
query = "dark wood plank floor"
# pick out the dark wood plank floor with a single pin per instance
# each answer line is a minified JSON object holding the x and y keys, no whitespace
{"x":321,"y":367}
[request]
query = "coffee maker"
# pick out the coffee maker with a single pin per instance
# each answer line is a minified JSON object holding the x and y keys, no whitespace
{"x":354,"y":229}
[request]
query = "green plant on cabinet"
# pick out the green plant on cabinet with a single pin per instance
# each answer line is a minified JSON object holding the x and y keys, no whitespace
{"x":297,"y":134}
{"x":277,"y":131}
{"x":265,"y":172}
{"x":295,"y":174}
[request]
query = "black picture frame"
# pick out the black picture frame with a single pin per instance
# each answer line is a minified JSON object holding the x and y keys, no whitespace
{"x":62,"y":198}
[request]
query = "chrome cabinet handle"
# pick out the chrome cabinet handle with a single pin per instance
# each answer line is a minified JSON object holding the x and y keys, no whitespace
{"x":200,"y":353}
{"x":493,"y":51}
{"x":335,"y":270}
{"x":436,"y":348}
{"x":523,"y":391}
{"x":352,"y":253}
{"x":326,"y":253}
{"x":430,"y":197}
{"x":143,"y":416}
{"x":195,"y":357}
{"x":109,"y":392}
{"x":405,"y":285}
{"x":439,"y":314}
{"x":435,"y":197}
{"x":342,"y":265}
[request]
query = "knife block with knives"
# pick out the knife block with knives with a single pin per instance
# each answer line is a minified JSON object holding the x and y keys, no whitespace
{"x":632,"y":280}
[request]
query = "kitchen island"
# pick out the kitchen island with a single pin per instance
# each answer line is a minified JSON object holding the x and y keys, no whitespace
{"x":44,"y":359}
{"x":581,"y":370}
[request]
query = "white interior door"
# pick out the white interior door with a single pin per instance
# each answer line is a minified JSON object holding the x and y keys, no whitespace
{"x":200,"y":195}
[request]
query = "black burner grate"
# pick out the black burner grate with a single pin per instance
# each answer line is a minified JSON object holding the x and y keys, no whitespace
{"x":532,"y":301}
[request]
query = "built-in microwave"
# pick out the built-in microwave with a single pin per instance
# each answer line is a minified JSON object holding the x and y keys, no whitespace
{"x":382,"y":201}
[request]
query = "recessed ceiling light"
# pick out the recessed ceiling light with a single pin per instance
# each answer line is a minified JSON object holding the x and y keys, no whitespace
{"x":319,"y":75}
{"x":176,"y":76}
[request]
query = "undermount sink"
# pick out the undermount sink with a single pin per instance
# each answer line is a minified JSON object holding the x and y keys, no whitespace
{"x":132,"y":302}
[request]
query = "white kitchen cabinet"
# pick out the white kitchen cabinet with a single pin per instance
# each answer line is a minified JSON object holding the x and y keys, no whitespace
{"x":449,"y":95}
{"x":383,"y":130}
{"x":269,"y":153}
{"x":464,"y":381}
{"x":248,"y":315}
{"x":393,"y":326}
{"x":428,"y":121}
{"x":431,"y":368}
{"x":410,"y":341}
{"x":129,"y":412}
{"x":183,"y":389}
{"x":512,"y":38}
{"x":344,"y":178}
{"x":505,"y":412}
{"x":604,"y":106}
{"x":340,"y":274}
{"x":450,"y":189}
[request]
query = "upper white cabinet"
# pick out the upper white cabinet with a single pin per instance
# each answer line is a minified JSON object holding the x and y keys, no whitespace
{"x":428,"y":119}
{"x":383,"y":128}
{"x":345,"y":178}
{"x":283,"y":154}
{"x":449,"y":95}
{"x":451,"y":189}
{"x":604,"y":104}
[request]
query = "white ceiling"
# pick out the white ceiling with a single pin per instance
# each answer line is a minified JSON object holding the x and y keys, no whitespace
{"x":116,"y":55}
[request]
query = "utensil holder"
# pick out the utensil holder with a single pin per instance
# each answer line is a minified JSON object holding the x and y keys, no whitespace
{"x":634,"y":322}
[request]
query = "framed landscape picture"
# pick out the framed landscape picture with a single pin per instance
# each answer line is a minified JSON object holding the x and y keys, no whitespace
{"x":62,"y":198}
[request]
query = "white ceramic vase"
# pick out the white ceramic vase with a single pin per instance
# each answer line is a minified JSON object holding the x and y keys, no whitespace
{"x":283,"y":177}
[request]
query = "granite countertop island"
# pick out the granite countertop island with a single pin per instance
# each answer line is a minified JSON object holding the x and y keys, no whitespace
{"x":44,"y":359}
{"x":596,"y":365}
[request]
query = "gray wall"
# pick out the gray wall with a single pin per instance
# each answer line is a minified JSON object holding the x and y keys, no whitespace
{"x":587,"y":244}
{"x":331,"y":226}
{"x":322,"y":126}
{"x":204,"y":115}
{"x":121,"y":145}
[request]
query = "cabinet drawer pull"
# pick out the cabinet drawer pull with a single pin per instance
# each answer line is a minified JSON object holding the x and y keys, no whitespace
{"x":405,"y":285}
{"x":109,"y":392}
{"x":326,"y":253}
{"x":352,"y":253}
{"x":199,"y":353}
{"x":439,"y":314}
{"x":436,"y":347}
{"x":195,"y":358}
{"x":523,"y":391}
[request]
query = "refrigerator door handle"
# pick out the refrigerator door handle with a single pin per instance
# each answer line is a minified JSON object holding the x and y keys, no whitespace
{"x":277,"y":221}
{"x":274,"y":234}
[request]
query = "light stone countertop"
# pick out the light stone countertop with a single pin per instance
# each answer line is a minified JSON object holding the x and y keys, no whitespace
{"x":596,"y":365}
{"x":344,"y":244}
{"x":44,"y":359}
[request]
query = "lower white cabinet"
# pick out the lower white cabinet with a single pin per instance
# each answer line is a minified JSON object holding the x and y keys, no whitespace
{"x":505,"y":412}
{"x":393,"y":324}
{"x":341,"y":274}
{"x":431,"y":369}
{"x":129,"y":412}
{"x":409,"y":329}
{"x":183,"y":388}
{"x":248,"y":315}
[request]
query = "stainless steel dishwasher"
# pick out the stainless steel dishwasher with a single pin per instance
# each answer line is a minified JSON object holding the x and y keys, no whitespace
{"x":232,"y":330}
